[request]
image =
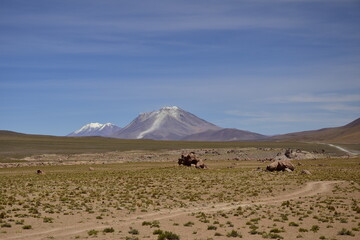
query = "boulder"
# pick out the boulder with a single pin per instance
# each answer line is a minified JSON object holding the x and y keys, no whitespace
{"x":191,"y":160}
{"x":40,"y":172}
{"x":289,"y":153}
{"x":200,"y":164}
{"x":306,"y":172}
{"x":280,"y":166}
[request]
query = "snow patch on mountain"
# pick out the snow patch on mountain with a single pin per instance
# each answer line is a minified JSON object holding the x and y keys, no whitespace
{"x":95,"y":129}
{"x":167,"y":123}
{"x":160,"y":117}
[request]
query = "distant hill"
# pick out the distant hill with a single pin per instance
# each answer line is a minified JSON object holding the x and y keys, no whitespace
{"x":226,"y":134}
{"x":15,"y":146}
{"x":9,"y":133}
{"x":348,"y":134}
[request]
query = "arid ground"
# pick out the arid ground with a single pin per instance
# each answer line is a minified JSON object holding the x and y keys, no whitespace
{"x":152,"y":197}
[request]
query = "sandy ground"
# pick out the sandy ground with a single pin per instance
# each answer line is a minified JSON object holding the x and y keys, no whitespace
{"x":166,"y":218}
{"x":239,"y":154}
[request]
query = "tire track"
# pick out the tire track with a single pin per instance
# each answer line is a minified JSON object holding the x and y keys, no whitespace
{"x":310,"y":189}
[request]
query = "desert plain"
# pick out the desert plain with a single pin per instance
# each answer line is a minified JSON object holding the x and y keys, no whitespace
{"x":139,"y":193}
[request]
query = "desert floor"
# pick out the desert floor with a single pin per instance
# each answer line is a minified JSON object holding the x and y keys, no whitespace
{"x":231,"y":199}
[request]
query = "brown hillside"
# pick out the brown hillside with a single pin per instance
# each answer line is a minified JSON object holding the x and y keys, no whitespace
{"x":348,"y":134}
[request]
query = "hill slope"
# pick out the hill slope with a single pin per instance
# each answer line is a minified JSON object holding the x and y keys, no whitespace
{"x":348,"y":134}
{"x":226,"y":134}
{"x":15,"y":146}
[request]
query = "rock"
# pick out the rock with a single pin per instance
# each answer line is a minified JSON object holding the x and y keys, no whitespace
{"x":91,"y":169}
{"x":280,"y":166}
{"x":272,"y":166}
{"x":289,"y":153}
{"x":190,"y":160}
{"x":200,"y":164}
{"x":40,"y":172}
{"x":306,"y":172}
{"x":287,"y":170}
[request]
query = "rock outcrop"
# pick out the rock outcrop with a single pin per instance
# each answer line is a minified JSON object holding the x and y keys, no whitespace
{"x":191,"y":160}
{"x":280,"y":165}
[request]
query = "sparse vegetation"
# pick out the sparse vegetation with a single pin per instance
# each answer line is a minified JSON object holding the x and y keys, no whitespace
{"x":139,"y":190}
{"x":168,"y":236}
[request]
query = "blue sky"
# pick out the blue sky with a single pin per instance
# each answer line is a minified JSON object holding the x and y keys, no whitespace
{"x":266,"y":66}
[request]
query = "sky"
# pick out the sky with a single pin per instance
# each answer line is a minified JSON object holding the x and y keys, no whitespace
{"x":267,"y":66}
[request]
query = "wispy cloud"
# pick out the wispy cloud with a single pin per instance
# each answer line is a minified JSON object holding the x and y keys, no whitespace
{"x":318,"y":98}
{"x":340,"y":108}
{"x":277,"y":117}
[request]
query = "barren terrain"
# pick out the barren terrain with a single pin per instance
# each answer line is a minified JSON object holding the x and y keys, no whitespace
{"x":144,"y":198}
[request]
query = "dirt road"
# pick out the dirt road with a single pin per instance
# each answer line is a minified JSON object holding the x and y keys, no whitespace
{"x":310,"y":189}
{"x":352,"y":152}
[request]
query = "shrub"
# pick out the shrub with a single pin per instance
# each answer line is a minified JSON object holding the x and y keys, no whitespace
{"x":131,"y":238}
{"x":145,"y":223}
{"x":315,"y":228}
{"x":212,"y":227}
{"x":108,"y":230}
{"x":134,"y":231}
{"x":27,"y":227}
{"x":293,"y":224}
{"x":344,"y":231}
{"x":48,"y":220}
{"x":188,"y":224}
{"x":168,"y":236}
{"x":233,"y":233}
{"x":7,"y":225}
{"x":92,"y":232}
{"x":157,"y":232}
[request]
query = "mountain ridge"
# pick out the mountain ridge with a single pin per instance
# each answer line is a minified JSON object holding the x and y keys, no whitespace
{"x":349,"y":133}
{"x":95,"y":129}
{"x":174,"y":123}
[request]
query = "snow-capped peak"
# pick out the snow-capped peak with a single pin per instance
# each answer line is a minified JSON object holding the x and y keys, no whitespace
{"x":88,"y":127}
{"x":170,"y":108}
{"x":167,"y":123}
{"x":96,"y":129}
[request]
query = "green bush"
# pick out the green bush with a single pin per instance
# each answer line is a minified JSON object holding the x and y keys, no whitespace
{"x":157,"y":232}
{"x":344,"y":231}
{"x":188,"y":224}
{"x":212,"y":227}
{"x":7,"y":225}
{"x":168,"y":236}
{"x":315,"y":228}
{"x":233,"y":233}
{"x":92,"y":232}
{"x":108,"y":230}
{"x":134,"y":231}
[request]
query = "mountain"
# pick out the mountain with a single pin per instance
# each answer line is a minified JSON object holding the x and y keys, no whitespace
{"x":95,"y":129}
{"x":168,"y":123}
{"x":349,"y":133}
{"x":226,"y":134}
